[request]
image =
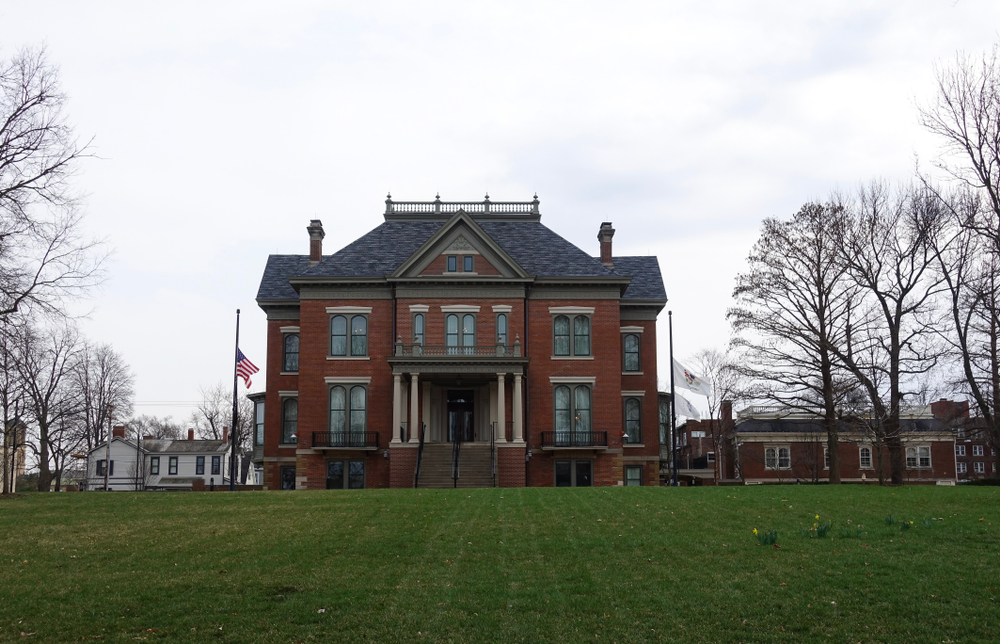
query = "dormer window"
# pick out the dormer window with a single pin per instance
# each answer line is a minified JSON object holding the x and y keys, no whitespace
{"x":452,"y":263}
{"x":467,"y":264}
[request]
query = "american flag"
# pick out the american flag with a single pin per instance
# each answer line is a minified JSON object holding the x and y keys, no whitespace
{"x":245,"y":368}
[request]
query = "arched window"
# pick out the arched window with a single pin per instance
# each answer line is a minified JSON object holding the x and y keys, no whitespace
{"x":560,"y":346}
{"x":359,"y":335}
{"x":564,"y":414}
{"x":338,"y":336}
{"x":502,"y":329}
{"x":291,"y":359}
{"x":581,"y":335}
{"x":631,"y":353}
{"x":633,"y":424}
{"x":418,"y":329}
{"x":469,"y":332}
{"x":451,"y":331}
{"x":358,"y":396}
{"x":289,"y":420}
{"x":338,"y":412}
{"x":581,"y":408}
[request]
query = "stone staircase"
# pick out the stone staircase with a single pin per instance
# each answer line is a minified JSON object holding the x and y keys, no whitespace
{"x":474,"y":466}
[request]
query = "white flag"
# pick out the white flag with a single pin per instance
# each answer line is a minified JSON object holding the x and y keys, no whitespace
{"x":684,"y":377}
{"x":685,"y":408}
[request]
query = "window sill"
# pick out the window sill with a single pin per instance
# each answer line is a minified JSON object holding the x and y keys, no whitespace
{"x":348,"y":358}
{"x":289,"y":373}
{"x":631,"y":373}
{"x":633,"y":445}
{"x":572,"y":357}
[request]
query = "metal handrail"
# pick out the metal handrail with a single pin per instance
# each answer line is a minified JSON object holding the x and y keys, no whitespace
{"x":456,"y":451}
{"x":574,"y":439}
{"x":493,"y":452}
{"x":345,"y":439}
{"x":472,"y":207}
{"x":420,"y":454}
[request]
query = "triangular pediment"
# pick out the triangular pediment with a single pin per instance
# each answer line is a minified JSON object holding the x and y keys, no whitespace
{"x":460,"y":236}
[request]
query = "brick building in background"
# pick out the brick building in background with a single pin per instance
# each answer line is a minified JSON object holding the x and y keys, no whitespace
{"x":975,"y":455}
{"x":468,"y":337}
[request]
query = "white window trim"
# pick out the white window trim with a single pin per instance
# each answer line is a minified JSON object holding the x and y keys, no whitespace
{"x":571,"y":310}
{"x":460,"y":308}
{"x":345,"y":310}
{"x":573,"y":380}
{"x":502,"y":308}
{"x":348,"y":357}
{"x":777,"y":457}
{"x":347,"y":380}
{"x":871,"y":457}
{"x":630,"y":394}
{"x":288,"y":394}
{"x":289,"y":329}
{"x":419,"y":308}
{"x":632,"y":329}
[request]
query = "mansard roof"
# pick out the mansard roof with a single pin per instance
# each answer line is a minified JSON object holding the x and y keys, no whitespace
{"x":537,"y":250}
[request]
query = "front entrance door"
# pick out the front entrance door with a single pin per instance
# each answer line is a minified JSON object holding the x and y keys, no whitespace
{"x":461,"y":404}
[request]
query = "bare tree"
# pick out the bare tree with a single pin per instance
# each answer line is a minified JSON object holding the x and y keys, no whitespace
{"x":792,"y":310}
{"x":12,"y":398}
{"x":43,"y":256}
{"x":104,"y":382}
{"x":158,"y":428}
{"x":890,"y":255}
{"x":45,"y":360}
{"x":721,"y":370}
{"x":216,"y":412}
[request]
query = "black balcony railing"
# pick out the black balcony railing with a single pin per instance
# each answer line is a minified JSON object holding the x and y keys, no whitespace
{"x":574,"y":439}
{"x":345,"y":439}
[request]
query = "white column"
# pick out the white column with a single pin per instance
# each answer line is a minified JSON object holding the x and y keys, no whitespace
{"x":397,"y":414}
{"x":518,"y":413}
{"x":414,"y":408}
{"x":501,"y":410}
{"x":427,"y":408}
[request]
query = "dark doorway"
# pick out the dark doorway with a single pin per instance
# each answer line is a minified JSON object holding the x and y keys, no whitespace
{"x":461,"y":405}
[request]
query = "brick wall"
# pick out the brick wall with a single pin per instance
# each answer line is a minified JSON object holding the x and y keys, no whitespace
{"x":510,"y":467}
{"x":808,"y":462}
{"x":440,"y":266}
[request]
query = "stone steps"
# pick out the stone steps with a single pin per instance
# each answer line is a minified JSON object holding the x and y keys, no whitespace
{"x":474,"y":466}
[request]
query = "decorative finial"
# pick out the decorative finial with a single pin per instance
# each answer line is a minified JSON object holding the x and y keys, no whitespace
{"x":437,"y":195}
{"x":536,"y":195}
{"x":487,"y":195}
{"x":388,"y":195}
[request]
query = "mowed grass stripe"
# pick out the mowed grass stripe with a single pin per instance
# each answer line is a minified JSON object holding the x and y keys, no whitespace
{"x":397,"y":565}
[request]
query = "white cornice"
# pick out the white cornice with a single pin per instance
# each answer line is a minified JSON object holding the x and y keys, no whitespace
{"x":571,"y":310}
{"x":580,"y":380}
{"x":348,"y":309}
{"x":419,"y":308}
{"x":347,"y":380}
{"x":460,"y":308}
{"x":289,"y":329}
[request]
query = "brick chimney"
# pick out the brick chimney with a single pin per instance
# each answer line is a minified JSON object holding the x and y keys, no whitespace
{"x":118,"y":431}
{"x":148,"y":437}
{"x":948,"y":410}
{"x":190,"y":434}
{"x":604,"y":235}
{"x":225,"y":434}
{"x":316,"y":236}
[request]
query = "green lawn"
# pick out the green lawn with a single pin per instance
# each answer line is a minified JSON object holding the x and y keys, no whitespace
{"x":519,"y":565}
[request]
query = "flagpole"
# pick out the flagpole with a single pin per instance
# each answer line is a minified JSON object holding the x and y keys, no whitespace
{"x":673,"y":400}
{"x":232,"y":429}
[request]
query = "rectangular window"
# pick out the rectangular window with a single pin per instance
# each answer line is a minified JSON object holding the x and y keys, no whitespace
{"x":977,"y":450}
{"x":348,"y":419}
{"x":574,"y":473}
{"x":918,"y":456}
{"x":633,"y":475}
{"x":199,"y":465}
{"x":287,"y":477}
{"x":960,"y":450}
{"x":866,"y":458}
{"x":216,"y":465}
{"x":826,"y":458}
{"x":502,"y":329}
{"x":100,"y":467}
{"x":349,"y":334}
{"x":711,"y":457}
{"x":172,"y":466}
{"x":418,"y":329}
{"x":452,"y":263}
{"x":154,"y":465}
{"x":924,"y":454}
{"x":777,"y":458}
{"x":345,"y":475}
{"x":961,"y":468}
{"x":467,"y":262}
{"x":980,"y":467}
{"x":573,"y":415}
{"x":259,"y":424}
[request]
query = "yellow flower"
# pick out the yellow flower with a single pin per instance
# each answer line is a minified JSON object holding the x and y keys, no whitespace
{"x":817,"y":516}
{"x":755,"y":530}
{"x":911,"y":522}
{"x":815,"y":525}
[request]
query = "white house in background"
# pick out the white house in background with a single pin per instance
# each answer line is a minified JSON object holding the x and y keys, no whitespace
{"x":163,"y":464}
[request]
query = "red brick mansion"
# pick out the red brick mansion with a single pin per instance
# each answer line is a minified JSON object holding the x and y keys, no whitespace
{"x":459,"y":344}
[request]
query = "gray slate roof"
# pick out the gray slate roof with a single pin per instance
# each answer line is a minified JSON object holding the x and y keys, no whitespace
{"x":175,"y":447}
{"x":792,"y":425}
{"x":536,"y":248}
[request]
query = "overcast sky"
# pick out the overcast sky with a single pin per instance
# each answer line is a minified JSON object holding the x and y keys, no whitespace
{"x":223,"y":127}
